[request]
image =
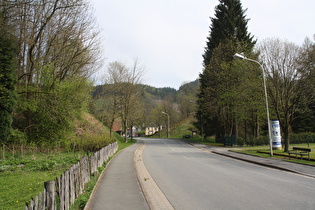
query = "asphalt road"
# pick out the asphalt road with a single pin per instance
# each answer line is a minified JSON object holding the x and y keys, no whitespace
{"x":194,"y":179}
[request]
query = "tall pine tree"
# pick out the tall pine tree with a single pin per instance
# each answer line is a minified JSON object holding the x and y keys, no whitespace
{"x":228,"y":34}
{"x":230,"y":23}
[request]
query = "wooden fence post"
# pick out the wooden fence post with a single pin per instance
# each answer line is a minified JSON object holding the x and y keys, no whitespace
{"x":72,"y":184}
{"x":76,"y":172}
{"x":50,"y":195}
{"x":60,"y":192}
{"x":67,"y":189}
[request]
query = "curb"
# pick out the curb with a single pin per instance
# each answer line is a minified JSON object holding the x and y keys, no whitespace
{"x":263,"y":164}
{"x":153,"y":194}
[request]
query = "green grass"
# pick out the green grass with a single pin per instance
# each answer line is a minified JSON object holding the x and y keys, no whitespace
{"x":18,"y":188}
{"x":122,"y":145}
{"x":82,"y":200}
{"x":264,"y":151}
{"x":179,"y":130}
{"x":23,"y":178}
{"x":182,"y":128}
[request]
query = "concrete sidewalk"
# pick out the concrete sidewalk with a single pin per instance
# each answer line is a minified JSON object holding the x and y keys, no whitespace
{"x":306,"y":170}
{"x":118,"y":186}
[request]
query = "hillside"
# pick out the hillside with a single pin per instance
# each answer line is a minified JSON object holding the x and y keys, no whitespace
{"x":90,"y":134}
{"x":152,"y":102}
{"x":89,"y":125}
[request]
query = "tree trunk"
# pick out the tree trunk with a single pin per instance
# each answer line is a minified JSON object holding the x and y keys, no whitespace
{"x":125,"y":131}
{"x":131,"y":134}
{"x":286,"y":138}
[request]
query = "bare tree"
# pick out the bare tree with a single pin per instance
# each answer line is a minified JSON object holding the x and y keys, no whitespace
{"x":280,"y":59}
{"x":58,"y":45}
{"x":56,"y":33}
{"x":126,"y":91}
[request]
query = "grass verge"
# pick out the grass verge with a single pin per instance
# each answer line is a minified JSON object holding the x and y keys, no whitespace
{"x":263,"y":151}
{"x":23,"y":178}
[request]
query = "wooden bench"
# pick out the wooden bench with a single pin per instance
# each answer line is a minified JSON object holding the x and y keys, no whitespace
{"x":302,"y":151}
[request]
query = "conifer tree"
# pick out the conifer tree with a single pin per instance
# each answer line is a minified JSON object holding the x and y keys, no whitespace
{"x":230,"y":23}
{"x":228,"y":31}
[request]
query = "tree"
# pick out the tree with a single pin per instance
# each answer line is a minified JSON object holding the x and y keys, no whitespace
{"x":186,"y":98}
{"x":126,"y":91}
{"x":280,"y":60}
{"x":230,"y":23}
{"x":305,"y":113}
{"x":58,"y":49}
{"x":8,"y":97}
{"x":228,"y":35}
{"x":228,"y":101}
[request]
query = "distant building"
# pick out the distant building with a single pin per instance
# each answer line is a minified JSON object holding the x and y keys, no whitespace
{"x":117,"y":127}
{"x":151,"y":130}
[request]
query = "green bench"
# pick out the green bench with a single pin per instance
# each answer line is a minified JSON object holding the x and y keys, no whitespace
{"x":301,"y":151}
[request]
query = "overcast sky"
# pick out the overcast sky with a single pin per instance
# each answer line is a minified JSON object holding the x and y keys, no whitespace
{"x":169,"y":36}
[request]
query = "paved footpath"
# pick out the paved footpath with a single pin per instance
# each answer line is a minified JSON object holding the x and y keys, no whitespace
{"x":118,"y":186}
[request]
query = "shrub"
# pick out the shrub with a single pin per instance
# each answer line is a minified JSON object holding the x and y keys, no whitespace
{"x":240,"y":141}
{"x":91,"y":142}
{"x":300,"y":138}
{"x":18,"y":137}
{"x":262,"y":140}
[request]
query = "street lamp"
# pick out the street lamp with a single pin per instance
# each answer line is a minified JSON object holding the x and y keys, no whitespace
{"x":168,"y":124}
{"x":241,"y":56}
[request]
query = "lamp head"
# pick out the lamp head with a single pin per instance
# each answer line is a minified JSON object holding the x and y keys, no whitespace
{"x":239,"y":55}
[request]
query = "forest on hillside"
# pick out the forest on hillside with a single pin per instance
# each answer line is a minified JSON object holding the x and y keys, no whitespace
{"x":148,"y":106}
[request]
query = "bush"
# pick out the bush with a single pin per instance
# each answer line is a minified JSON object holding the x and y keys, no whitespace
{"x":262,"y":140}
{"x":18,"y":137}
{"x":300,"y":138}
{"x":91,"y":142}
{"x":240,"y":141}
{"x":47,"y":118}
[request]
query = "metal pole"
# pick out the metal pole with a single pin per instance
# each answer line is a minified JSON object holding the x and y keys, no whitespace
{"x":168,"y":124}
{"x":267,"y":109}
{"x":266,"y":97}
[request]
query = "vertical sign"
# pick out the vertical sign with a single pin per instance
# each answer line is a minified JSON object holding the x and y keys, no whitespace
{"x":275,"y":134}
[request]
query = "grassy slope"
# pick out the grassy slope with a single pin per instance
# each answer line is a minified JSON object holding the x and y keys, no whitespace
{"x":22,"y":178}
{"x":180,"y":129}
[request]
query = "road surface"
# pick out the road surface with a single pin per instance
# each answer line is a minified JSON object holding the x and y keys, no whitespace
{"x":194,"y":179}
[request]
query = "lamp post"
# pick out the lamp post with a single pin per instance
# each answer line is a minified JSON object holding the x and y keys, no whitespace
{"x":240,"y":56}
{"x":168,"y":124}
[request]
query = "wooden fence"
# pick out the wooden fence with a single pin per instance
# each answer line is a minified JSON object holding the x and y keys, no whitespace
{"x":61,"y":193}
